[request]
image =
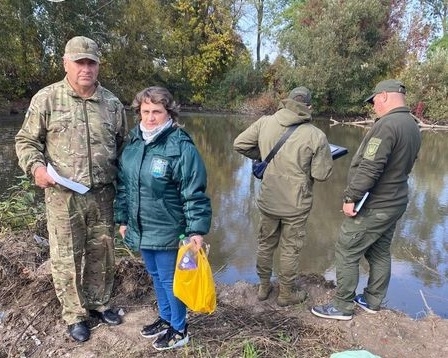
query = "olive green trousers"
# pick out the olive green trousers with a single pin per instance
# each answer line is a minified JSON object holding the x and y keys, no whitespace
{"x":288,"y":235}
{"x":368,"y":234}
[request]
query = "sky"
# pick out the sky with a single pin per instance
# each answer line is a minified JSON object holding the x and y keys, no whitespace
{"x":249,"y":34}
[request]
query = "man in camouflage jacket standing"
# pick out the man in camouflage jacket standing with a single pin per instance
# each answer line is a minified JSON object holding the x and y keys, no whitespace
{"x":286,"y":193}
{"x":77,"y":126}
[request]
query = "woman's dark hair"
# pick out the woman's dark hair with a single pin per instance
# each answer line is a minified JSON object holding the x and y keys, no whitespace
{"x":157,"y":95}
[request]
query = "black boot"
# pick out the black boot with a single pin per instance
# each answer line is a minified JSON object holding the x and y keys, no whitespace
{"x":107,"y":316}
{"x":79,"y":331}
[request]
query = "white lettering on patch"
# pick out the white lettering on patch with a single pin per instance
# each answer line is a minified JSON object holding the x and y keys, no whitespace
{"x":158,"y":167}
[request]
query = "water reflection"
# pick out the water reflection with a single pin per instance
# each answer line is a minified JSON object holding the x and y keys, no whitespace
{"x":420,"y":246}
{"x":229,"y":186}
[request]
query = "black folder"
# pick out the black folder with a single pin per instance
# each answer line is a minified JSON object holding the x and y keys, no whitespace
{"x":337,"y":151}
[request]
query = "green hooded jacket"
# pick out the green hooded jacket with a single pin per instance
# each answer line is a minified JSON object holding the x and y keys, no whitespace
{"x":286,"y":187}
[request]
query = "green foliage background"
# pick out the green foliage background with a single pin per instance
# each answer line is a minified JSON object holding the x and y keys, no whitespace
{"x":20,"y":207}
{"x":339,"y":49}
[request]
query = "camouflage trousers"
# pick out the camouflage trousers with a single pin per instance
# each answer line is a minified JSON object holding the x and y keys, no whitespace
{"x":81,"y":241}
{"x":368,"y":234}
{"x":288,"y":235}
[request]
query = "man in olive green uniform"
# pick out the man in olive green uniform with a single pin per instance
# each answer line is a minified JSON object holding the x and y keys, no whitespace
{"x":77,"y":126}
{"x":381,"y":168}
{"x":286,"y":193}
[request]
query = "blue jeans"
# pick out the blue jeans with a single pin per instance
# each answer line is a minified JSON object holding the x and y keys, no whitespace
{"x":161,"y":264}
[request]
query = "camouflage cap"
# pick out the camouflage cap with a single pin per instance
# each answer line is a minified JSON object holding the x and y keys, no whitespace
{"x":387,"y":86}
{"x":302,"y":92}
{"x":80,"y":47}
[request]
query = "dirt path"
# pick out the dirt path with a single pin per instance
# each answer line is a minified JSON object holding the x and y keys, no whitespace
{"x":30,"y":323}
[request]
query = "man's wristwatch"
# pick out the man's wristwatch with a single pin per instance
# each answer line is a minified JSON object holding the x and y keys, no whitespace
{"x":348,"y":200}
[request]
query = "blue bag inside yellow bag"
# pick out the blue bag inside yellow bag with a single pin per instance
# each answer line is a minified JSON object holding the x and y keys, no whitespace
{"x":195,"y":287}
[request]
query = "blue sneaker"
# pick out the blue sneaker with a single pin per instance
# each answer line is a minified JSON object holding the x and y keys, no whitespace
{"x":361,"y":302}
{"x":331,"y":312}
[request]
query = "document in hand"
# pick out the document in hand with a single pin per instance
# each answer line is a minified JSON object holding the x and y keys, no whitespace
{"x":79,"y":188}
{"x":360,"y":203}
{"x":337,"y":151}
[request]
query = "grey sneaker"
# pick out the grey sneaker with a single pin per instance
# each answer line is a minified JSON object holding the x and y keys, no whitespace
{"x":361,"y":302}
{"x":171,"y":339}
{"x":331,"y":312}
{"x":159,"y":327}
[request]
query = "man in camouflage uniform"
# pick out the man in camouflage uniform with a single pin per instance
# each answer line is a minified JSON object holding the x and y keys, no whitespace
{"x":380,"y":167}
{"x":77,"y":126}
{"x":286,"y":193}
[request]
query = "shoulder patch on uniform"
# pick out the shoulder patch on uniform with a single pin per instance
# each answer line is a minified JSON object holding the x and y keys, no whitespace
{"x":372,"y":148}
{"x":158,"y":167}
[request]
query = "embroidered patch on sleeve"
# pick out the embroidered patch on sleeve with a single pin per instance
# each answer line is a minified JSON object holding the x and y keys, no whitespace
{"x":158,"y":167}
{"x":372,"y":148}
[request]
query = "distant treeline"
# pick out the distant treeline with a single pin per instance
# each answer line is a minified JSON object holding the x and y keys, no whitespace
{"x":198,"y":50}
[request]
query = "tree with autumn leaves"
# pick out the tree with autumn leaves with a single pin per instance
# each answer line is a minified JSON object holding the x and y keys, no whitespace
{"x":197,"y":49}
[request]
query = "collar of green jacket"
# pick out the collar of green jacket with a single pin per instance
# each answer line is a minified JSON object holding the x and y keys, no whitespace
{"x":395,"y":110}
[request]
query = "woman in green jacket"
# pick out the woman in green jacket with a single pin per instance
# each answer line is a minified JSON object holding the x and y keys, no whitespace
{"x":161,"y":195}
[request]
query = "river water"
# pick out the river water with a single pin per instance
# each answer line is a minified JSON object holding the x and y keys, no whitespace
{"x":420,"y":246}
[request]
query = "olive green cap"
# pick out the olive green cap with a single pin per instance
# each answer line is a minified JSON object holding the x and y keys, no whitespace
{"x":302,"y":92}
{"x":387,"y":86}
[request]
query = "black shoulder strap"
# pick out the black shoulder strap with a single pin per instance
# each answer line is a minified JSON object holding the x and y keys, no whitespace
{"x":282,"y":140}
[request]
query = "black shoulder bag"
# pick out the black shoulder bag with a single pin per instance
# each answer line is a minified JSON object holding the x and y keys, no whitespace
{"x":259,"y":166}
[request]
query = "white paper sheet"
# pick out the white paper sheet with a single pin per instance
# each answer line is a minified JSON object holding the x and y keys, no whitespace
{"x":360,"y":203}
{"x":333,"y":148}
{"x":79,"y":188}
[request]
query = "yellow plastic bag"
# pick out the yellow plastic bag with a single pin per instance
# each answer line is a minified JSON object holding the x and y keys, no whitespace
{"x":195,"y":287}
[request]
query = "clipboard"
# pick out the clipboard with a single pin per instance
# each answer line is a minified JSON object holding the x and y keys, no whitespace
{"x":337,"y":151}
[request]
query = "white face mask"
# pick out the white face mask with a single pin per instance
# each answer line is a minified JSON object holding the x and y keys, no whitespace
{"x":150,"y":135}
